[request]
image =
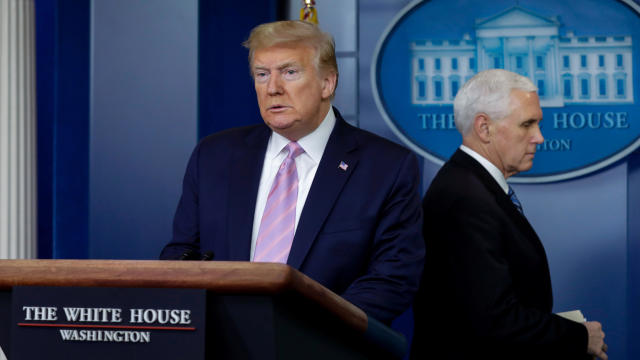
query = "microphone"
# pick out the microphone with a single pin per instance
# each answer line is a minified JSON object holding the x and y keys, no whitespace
{"x":207,"y":256}
{"x":188,"y":254}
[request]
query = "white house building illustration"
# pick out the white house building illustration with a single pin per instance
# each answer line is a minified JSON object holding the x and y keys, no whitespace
{"x":570,"y":69}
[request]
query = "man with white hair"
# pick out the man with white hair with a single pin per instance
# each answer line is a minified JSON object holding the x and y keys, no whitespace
{"x":486,"y":289}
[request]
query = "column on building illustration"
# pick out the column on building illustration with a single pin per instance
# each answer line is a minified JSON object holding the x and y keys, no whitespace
{"x":554,"y":83}
{"x":504,"y":42}
{"x":17,"y":130}
{"x":481,"y":65}
{"x":531,"y":71}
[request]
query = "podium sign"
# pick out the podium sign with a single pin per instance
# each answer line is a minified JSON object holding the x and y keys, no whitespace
{"x":142,"y":309}
{"x":107,"y":323}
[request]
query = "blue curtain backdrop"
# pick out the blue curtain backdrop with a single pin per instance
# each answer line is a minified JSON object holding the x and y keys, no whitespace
{"x":225,"y":98}
{"x":62,"y":68}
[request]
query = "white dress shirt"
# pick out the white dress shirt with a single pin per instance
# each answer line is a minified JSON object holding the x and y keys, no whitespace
{"x":306,"y":164}
{"x":492,"y":169}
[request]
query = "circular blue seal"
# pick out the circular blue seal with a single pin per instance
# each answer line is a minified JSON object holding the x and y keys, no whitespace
{"x":584,"y":58}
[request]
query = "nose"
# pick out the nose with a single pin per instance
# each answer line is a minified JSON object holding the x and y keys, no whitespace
{"x":274,"y":86}
{"x":537,"y":136}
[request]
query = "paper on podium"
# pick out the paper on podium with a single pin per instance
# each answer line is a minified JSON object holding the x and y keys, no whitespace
{"x":574,"y":315}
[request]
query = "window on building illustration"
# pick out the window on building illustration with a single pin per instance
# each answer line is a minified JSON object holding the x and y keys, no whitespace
{"x":496,"y":62}
{"x":437,"y":64}
{"x":518,"y":62}
{"x":541,"y":89}
{"x":422,"y":89}
{"x":539,"y":62}
{"x":583,"y":61}
{"x":420,"y":64}
{"x":437,"y":88}
{"x":566,"y":63}
{"x":620,"y":87}
{"x":566,"y":87}
{"x":472,"y":63}
{"x":454,"y":64}
{"x":601,"y":61}
{"x":455,"y":85}
{"x":602,"y":86}
{"x":619,"y":61}
{"x":584,"y":87}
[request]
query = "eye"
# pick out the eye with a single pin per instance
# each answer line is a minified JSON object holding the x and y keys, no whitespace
{"x":291,"y":73}
{"x":261,"y":76}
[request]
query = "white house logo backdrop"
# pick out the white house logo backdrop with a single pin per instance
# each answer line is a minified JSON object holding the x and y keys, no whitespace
{"x":581,"y":55}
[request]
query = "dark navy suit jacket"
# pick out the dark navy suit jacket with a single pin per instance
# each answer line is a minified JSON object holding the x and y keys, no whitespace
{"x":486,"y":289}
{"x":359,"y":233}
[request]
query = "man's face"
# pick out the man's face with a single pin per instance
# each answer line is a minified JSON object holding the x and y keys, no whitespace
{"x":514,"y":138}
{"x":293,"y":97}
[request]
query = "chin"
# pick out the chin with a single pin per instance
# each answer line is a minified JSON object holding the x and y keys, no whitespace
{"x":279,"y":122}
{"x":526,"y":167}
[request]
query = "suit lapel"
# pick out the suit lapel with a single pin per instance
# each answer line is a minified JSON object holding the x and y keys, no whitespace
{"x":244,"y":179}
{"x":325,"y":189}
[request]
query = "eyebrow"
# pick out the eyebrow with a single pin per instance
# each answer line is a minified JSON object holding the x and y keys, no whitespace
{"x":280,"y":67}
{"x":532,"y":120}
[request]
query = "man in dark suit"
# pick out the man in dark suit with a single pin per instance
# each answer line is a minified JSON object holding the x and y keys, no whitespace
{"x":306,"y":188}
{"x":486,"y":290}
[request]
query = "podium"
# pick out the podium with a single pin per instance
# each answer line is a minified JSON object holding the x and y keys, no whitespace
{"x":251,"y":310}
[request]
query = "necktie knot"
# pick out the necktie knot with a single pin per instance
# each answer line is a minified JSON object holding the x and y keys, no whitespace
{"x":294,"y":150}
{"x":515,"y":201}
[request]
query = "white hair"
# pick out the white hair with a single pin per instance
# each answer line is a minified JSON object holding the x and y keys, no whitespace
{"x":487,"y":92}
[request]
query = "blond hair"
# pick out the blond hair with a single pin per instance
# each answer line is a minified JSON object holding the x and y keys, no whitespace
{"x":295,"y":32}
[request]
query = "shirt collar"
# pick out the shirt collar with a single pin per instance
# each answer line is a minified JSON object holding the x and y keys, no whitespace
{"x":492,"y":169}
{"x":312,"y":143}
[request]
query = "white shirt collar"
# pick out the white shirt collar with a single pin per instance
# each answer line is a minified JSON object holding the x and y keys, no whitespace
{"x":492,"y":169}
{"x":313,"y":143}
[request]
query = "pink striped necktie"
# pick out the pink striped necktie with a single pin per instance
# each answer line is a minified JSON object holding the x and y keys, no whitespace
{"x":277,"y":227}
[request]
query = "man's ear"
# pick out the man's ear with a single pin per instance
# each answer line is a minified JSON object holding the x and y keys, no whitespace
{"x":329,"y":84}
{"x":482,"y":127}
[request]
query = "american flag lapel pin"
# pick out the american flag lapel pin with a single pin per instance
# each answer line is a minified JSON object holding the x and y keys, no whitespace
{"x":343,"y":165}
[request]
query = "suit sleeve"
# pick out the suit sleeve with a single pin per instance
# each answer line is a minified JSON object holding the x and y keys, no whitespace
{"x":475,"y":255}
{"x":186,"y":226}
{"x":396,"y":261}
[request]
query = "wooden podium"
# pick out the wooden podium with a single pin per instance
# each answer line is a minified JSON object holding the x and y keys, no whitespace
{"x":253,"y":310}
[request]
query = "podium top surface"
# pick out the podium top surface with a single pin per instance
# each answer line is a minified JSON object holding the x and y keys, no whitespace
{"x":229,"y":277}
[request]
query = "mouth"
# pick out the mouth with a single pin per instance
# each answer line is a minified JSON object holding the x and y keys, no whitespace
{"x":277,"y":108}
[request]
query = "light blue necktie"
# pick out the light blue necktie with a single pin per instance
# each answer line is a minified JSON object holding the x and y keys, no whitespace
{"x":514,"y":200}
